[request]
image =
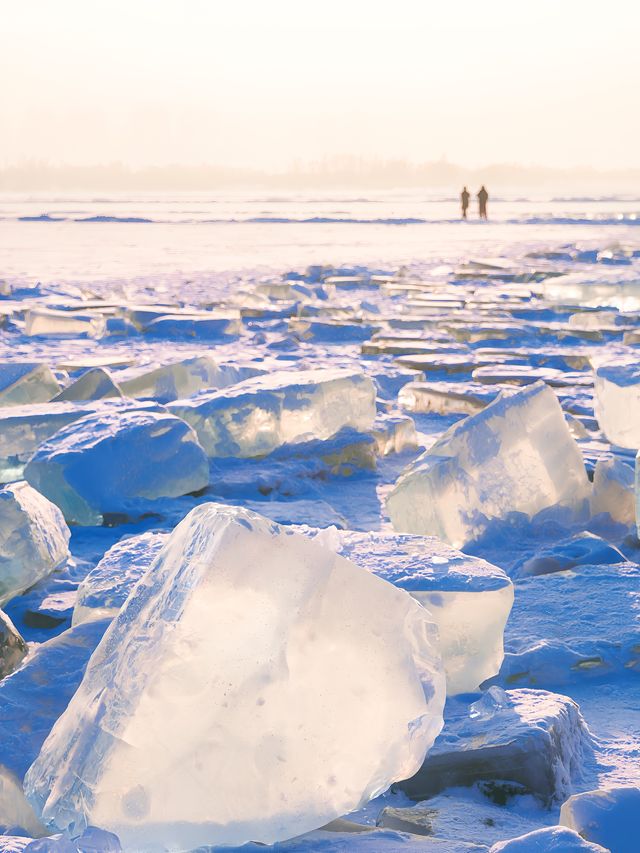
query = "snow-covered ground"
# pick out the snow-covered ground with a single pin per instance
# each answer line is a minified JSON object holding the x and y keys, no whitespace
{"x":296,"y":355}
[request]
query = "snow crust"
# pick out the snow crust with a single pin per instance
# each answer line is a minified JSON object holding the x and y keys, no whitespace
{"x":573,"y":626}
{"x":605,"y":817}
{"x":553,"y":839}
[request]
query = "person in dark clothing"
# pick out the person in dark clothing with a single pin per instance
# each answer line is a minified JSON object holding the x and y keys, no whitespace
{"x":483,"y":198}
{"x":464,"y":201}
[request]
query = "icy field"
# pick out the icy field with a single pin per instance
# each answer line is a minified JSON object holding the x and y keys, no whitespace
{"x":319,"y":535}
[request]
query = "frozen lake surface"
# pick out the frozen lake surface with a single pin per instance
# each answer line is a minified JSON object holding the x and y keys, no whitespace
{"x":307,"y":357}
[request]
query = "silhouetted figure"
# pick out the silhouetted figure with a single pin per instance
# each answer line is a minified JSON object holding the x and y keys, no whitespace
{"x":464,"y":201}
{"x":483,"y":198}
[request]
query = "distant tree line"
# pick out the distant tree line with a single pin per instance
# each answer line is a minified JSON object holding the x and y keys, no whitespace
{"x":338,"y":172}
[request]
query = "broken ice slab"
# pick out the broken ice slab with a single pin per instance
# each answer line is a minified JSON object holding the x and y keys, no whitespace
{"x":620,"y":289}
{"x":205,"y":325}
{"x":117,"y":462}
{"x":183,"y":378}
{"x":608,"y":817}
{"x":24,"y":428}
{"x":142,"y":315}
{"x":613,"y":490}
{"x":517,"y":455}
{"x":330,"y":332}
{"x":95,"y":384}
{"x":241,"y":628}
{"x":570,"y":626}
{"x":559,"y":332}
{"x":441,"y":363}
{"x":524,"y":374}
{"x":596,"y":319}
{"x":407,"y":346}
{"x":76,"y":324}
{"x":31,"y":700}
{"x":258,"y":415}
{"x":394,"y":433}
{"x":445,"y":398}
{"x":617,"y":401}
{"x":559,"y":358}
{"x":495,"y":331}
{"x":500,"y":269}
{"x":281,"y":290}
{"x":13,"y":650}
{"x":34,"y":539}
{"x":105,"y":589}
{"x":85,"y":362}
{"x":350,"y":282}
{"x":468,"y":598}
{"x":532,"y":737}
{"x":253,"y":307}
{"x":26,"y":382}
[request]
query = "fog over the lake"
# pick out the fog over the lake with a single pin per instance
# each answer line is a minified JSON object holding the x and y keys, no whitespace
{"x":271,"y":86}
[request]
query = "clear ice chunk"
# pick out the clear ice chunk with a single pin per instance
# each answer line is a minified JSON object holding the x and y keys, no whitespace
{"x":24,"y":382}
{"x":261,"y":414}
{"x":255,"y":686}
{"x":517,"y":455}
{"x":106,"y":588}
{"x":468,"y":599}
{"x":34,"y":539}
{"x":114,"y":461}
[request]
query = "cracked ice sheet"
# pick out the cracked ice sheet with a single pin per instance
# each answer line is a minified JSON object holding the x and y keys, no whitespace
{"x":355,"y":496}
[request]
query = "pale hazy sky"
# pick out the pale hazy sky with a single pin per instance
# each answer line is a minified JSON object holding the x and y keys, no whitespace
{"x":265,"y":82}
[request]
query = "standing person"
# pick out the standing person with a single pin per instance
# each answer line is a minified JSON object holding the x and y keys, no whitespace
{"x":483,"y":198}
{"x":464,"y":201}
